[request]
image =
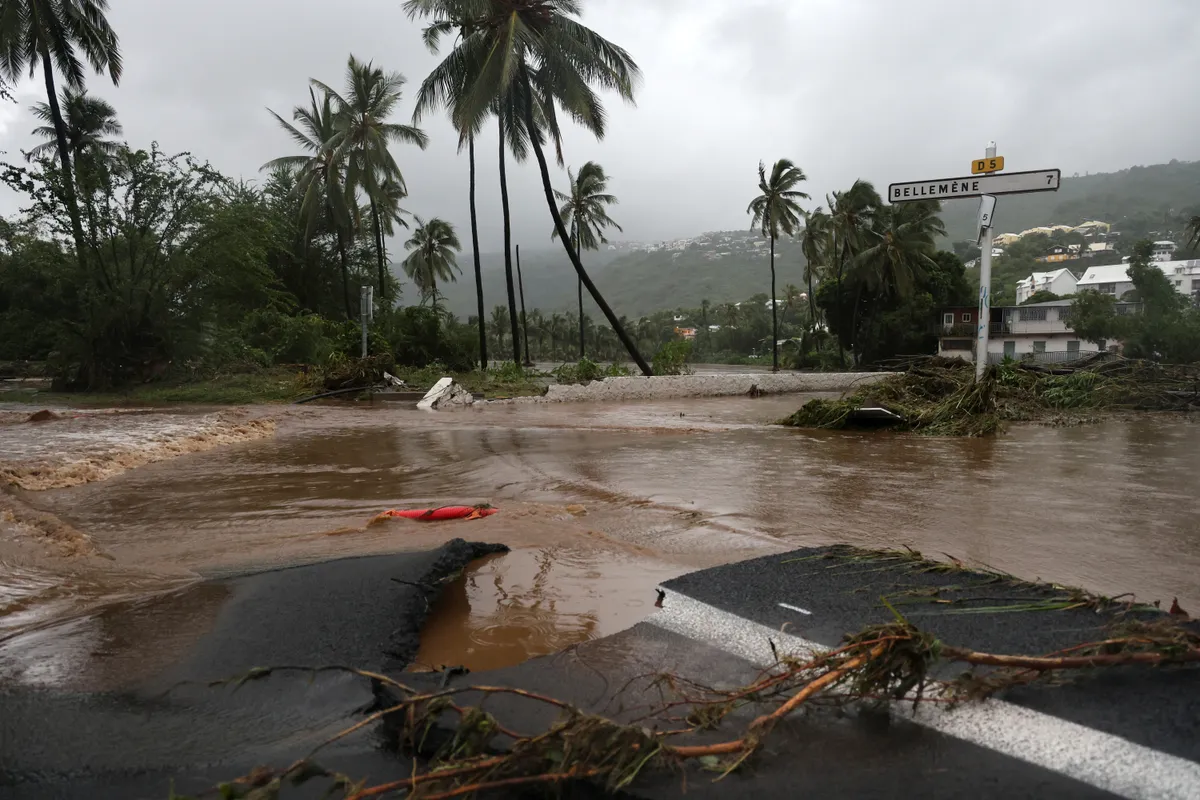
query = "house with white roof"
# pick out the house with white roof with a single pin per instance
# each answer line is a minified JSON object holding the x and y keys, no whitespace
{"x":1114,"y":278}
{"x":1061,"y":281}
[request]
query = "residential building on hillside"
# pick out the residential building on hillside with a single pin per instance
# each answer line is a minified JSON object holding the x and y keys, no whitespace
{"x":1114,"y":278}
{"x":1038,"y":331}
{"x":1163,"y":251}
{"x":1061,"y":282}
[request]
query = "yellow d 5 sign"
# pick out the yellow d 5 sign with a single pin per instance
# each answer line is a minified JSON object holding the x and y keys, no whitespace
{"x":993,"y":164}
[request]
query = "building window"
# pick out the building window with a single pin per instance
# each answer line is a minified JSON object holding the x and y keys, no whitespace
{"x":1064,"y":313}
{"x":956,"y":344}
{"x":1107,"y":288}
{"x":966,"y":316}
{"x":1073,"y":346}
{"x":1031,"y":314}
{"x":948,"y":319}
{"x":1010,"y":349}
{"x":1039,"y":347}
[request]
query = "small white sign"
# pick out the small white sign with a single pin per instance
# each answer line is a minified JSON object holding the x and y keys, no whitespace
{"x":987,"y":209}
{"x":1045,"y":180}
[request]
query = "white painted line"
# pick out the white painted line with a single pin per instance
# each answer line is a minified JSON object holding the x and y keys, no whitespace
{"x":795,"y":608}
{"x":1087,"y":755}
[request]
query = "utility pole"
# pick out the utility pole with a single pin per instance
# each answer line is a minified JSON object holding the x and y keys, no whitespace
{"x":987,"y":209}
{"x":366,"y":312}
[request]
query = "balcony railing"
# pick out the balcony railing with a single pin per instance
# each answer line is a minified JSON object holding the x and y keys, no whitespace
{"x":1049,"y":357}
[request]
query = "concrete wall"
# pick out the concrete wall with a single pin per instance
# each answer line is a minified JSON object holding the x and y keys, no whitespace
{"x":665,"y":387}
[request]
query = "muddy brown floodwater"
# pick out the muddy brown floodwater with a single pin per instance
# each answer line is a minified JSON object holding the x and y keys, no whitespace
{"x":599,"y":503}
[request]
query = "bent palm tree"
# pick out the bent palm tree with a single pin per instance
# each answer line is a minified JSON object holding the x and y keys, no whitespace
{"x":777,"y":211}
{"x":432,"y":256}
{"x":584,"y":211}
{"x":319,"y":179}
{"x":534,"y":56}
{"x":46,"y":33}
{"x":362,"y":137}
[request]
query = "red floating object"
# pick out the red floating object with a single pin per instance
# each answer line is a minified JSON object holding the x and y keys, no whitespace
{"x":440,"y":514}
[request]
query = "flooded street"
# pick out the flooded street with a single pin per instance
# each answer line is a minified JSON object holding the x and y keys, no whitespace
{"x":599,"y":503}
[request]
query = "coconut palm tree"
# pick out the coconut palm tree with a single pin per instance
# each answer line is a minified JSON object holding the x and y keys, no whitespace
{"x":1193,"y":231}
{"x":583,"y":210}
{"x":320,"y":181}
{"x":534,"y":58}
{"x":814,"y":243}
{"x":776,"y":211}
{"x":432,"y":256}
{"x":363,"y":135}
{"x":88,"y":119}
{"x":50,"y":33}
{"x":391,"y":216}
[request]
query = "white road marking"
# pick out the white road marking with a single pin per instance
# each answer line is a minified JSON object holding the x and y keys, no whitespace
{"x":1098,"y":759}
{"x":795,"y":608}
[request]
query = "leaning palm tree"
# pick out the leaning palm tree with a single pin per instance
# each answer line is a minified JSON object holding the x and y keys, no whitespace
{"x":777,"y":211}
{"x":814,"y":244}
{"x":50,"y":33}
{"x":89,"y":119}
{"x":363,"y":136}
{"x":534,"y":58}
{"x":432,"y":256}
{"x":391,"y":215}
{"x":320,"y":180}
{"x":583,"y":209}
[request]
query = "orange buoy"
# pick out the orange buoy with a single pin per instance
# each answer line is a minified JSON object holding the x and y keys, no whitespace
{"x":439,"y":514}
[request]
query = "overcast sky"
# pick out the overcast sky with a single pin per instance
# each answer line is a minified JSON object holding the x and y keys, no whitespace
{"x":877,"y":89}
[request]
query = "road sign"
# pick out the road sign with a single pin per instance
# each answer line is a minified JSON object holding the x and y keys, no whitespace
{"x":1045,"y":180}
{"x":987,"y":209}
{"x":990,"y":164}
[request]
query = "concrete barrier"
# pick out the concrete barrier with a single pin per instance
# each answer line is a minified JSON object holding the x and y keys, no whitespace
{"x":666,"y":387}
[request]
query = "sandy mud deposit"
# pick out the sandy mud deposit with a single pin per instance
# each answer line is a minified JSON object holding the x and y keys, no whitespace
{"x":82,"y":448}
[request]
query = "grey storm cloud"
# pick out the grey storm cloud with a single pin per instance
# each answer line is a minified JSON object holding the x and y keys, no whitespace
{"x":885,"y":91}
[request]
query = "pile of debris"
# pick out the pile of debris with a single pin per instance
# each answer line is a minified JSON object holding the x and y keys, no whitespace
{"x":937,"y":398}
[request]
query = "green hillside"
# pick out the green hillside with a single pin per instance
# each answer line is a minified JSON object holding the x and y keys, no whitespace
{"x":1137,"y":200}
{"x":725,"y":266}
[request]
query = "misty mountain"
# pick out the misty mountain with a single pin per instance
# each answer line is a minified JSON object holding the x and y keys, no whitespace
{"x":638,"y":279}
{"x":1142,"y":198}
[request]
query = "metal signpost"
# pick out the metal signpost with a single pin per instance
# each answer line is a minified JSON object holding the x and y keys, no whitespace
{"x":984,"y":182}
{"x":366,"y":311}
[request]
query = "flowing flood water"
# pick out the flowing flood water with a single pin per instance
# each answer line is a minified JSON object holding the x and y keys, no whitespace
{"x":123,"y":514}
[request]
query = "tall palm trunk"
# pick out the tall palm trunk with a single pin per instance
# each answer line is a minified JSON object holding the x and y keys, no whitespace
{"x":379,"y":254}
{"x":524,"y":319}
{"x":343,"y":261}
{"x":64,"y":156}
{"x":579,"y":288}
{"x":535,"y":138}
{"x":508,"y":266}
{"x":483,"y":356}
{"x":774,"y":313}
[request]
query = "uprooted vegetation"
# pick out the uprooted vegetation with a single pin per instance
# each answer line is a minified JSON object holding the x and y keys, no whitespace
{"x":942,"y":398}
{"x":461,"y":749}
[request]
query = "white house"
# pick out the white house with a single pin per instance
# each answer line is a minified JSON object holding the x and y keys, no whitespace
{"x":1163,"y":251}
{"x":1114,"y":278}
{"x":1038,"y":331}
{"x":1061,"y":282}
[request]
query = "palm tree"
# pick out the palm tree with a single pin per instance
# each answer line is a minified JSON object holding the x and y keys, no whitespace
{"x":814,"y":243}
{"x":389,"y":212}
{"x":776,"y":211}
{"x":431,"y":256}
{"x":88,"y":120}
{"x":532,"y":57}
{"x":1193,"y":231}
{"x":363,"y":135}
{"x":320,"y":181}
{"x":583,"y":208}
{"x":46,"y":33}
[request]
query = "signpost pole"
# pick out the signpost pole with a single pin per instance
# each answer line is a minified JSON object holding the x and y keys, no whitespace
{"x":985,"y":290}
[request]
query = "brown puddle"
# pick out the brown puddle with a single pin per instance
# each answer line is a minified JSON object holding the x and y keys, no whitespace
{"x":508,"y":608}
